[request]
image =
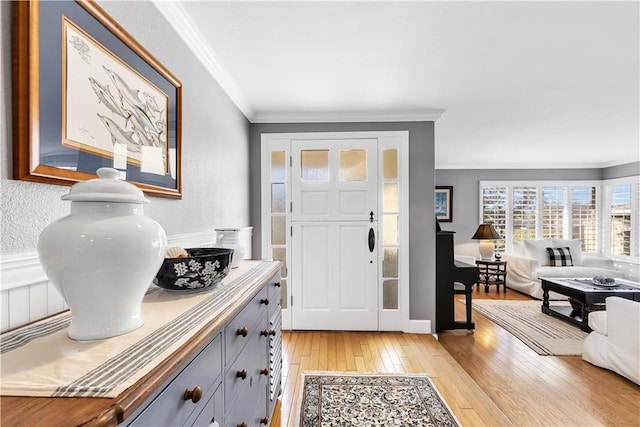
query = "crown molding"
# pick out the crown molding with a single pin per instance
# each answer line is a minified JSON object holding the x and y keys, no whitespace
{"x":508,"y":164}
{"x":429,"y":115}
{"x":179,"y":19}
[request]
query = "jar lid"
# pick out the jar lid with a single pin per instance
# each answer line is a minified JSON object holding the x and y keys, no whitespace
{"x":108,"y":187}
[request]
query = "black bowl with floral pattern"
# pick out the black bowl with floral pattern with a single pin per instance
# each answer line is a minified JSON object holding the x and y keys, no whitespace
{"x":200,"y":271}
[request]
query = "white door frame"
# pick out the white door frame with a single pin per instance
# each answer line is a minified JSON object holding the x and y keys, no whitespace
{"x":389,"y":320}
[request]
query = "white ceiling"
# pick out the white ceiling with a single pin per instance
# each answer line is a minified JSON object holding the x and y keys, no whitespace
{"x":512,"y":84}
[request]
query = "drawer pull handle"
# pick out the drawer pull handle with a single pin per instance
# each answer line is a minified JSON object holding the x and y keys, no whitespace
{"x":272,"y":332}
{"x":264,"y":371}
{"x":264,"y":420}
{"x":241,"y":374}
{"x":243,"y":424}
{"x":264,"y":301}
{"x":264,"y":332}
{"x":243,"y":331}
{"x":195,"y":394}
{"x":276,"y":284}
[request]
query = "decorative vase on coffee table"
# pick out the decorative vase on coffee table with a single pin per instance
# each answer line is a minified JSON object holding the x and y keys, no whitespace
{"x":228,"y":238}
{"x":103,"y":256}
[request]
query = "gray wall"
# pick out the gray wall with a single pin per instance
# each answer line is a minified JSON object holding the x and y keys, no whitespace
{"x":621,"y":171}
{"x":421,"y":183}
{"x":215,"y":143}
{"x":466,"y":197}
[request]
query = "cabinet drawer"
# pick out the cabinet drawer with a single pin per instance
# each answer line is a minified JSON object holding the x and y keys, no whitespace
{"x":275,"y":299}
{"x":251,"y":361}
{"x":250,"y":413}
{"x":248,"y":318}
{"x":211,"y":412}
{"x":170,"y":406}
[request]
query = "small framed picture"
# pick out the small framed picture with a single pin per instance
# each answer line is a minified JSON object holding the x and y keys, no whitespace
{"x":444,"y":203}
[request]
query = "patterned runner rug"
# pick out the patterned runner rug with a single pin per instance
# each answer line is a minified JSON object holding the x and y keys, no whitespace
{"x":544,"y":334}
{"x":355,"y":399}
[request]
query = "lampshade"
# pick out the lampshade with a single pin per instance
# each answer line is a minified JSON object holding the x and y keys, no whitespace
{"x":486,"y":232}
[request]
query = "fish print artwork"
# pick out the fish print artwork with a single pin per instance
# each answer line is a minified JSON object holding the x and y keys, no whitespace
{"x":111,"y":110}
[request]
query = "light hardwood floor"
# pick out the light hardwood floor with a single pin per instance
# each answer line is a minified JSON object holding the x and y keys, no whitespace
{"x":488,"y":377}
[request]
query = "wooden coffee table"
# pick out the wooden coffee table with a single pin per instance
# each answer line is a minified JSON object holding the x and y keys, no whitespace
{"x":583,"y":291}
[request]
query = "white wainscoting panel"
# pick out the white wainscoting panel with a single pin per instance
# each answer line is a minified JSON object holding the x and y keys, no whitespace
{"x":26,"y":294}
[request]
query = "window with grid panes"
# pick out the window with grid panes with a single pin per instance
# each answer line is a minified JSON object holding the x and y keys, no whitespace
{"x":494,"y":211}
{"x":584,"y":217}
{"x":554,"y":212}
{"x":620,"y":219}
{"x":524,"y":213}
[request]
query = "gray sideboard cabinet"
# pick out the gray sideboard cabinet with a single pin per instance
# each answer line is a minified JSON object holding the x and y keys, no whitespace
{"x":234,"y":380}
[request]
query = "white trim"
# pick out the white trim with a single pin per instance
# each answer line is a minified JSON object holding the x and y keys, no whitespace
{"x":429,"y":115}
{"x":199,"y":239}
{"x":20,"y":270}
{"x":179,"y":19}
{"x":332,"y":135}
{"x":418,"y":327}
{"x":524,"y":165}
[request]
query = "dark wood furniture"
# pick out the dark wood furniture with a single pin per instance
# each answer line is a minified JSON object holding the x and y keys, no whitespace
{"x":492,"y":273}
{"x":452,"y":277}
{"x":586,"y":294}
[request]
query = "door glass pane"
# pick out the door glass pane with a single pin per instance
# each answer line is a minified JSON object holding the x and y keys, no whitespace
{"x":390,"y":197}
{"x":283,"y":294}
{"x":278,"y":199}
{"x":390,"y":295}
{"x":390,"y":226}
{"x":390,"y":164}
{"x":278,"y":233}
{"x":280,"y":254}
{"x":314,"y":165}
{"x":353,"y":165}
{"x":390,"y":263}
{"x":278,"y":171}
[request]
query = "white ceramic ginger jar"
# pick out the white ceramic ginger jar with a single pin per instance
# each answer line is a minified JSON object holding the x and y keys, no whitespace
{"x":103,"y":256}
{"x":228,"y":238}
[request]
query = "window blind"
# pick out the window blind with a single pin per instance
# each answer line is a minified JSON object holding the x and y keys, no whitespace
{"x":620,"y":219}
{"x":494,"y":211}
{"x":525,"y":213}
{"x":584,"y":217}
{"x":554,"y":212}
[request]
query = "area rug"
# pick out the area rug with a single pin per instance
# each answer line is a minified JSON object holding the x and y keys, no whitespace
{"x":544,"y":334}
{"x":355,"y":399}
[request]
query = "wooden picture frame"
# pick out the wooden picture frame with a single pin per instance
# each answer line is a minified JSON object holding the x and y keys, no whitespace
{"x":443,"y":202}
{"x":87,"y":95}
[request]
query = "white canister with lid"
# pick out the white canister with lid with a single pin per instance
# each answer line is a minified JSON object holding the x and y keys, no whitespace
{"x":228,"y":238}
{"x":103,"y":256}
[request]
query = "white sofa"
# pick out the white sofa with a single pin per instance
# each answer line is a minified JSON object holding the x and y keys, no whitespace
{"x":615,"y":341}
{"x":528,"y":262}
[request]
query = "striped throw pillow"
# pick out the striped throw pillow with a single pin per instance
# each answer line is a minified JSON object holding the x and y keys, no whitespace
{"x":559,"y":257}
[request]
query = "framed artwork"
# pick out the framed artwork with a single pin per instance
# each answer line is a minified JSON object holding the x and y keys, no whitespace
{"x":87,"y":95}
{"x":444,"y":203}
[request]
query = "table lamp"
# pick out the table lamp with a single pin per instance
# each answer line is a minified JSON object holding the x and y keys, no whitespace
{"x":485,"y":233}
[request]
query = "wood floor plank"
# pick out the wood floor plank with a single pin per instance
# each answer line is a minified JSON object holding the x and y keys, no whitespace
{"x":488,"y":377}
{"x":539,"y":390}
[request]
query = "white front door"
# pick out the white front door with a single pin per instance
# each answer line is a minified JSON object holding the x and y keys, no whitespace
{"x":334,"y":217}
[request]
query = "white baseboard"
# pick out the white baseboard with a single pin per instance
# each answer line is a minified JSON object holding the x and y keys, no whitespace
{"x":418,"y":327}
